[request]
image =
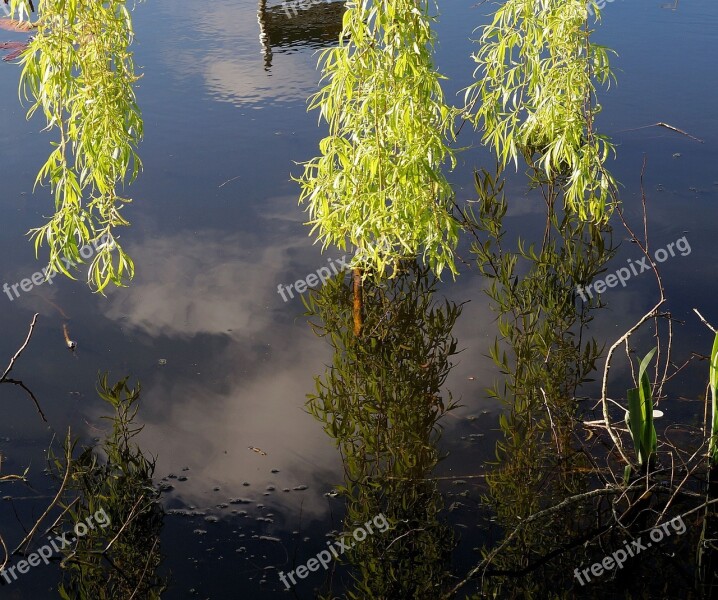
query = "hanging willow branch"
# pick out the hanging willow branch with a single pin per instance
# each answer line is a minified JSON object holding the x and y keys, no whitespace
{"x":378,"y":184}
{"x":536,"y":95}
{"x":78,"y":71}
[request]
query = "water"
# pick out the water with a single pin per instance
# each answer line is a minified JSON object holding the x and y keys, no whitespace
{"x":224,"y":363}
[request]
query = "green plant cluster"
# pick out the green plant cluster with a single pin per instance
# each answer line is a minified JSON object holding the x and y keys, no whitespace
{"x":536,"y":94}
{"x":378,"y":185}
{"x":713,"y":384}
{"x":639,"y":417}
{"x":120,"y":561}
{"x":78,"y":71}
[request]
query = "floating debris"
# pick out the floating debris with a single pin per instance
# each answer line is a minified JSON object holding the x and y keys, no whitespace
{"x":300,"y":488}
{"x":258,"y":450}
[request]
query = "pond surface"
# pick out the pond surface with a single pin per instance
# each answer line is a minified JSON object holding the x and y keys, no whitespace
{"x":225,"y":363}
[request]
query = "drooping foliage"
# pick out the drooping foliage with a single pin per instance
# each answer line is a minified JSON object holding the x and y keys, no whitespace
{"x":378,"y":183}
{"x":535,"y":94}
{"x":78,"y":71}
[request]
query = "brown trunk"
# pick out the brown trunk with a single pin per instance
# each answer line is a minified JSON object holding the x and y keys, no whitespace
{"x":356,"y":276}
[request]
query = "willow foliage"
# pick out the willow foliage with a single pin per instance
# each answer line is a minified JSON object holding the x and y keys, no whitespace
{"x":378,"y":184}
{"x":78,"y":71}
{"x":536,"y":95}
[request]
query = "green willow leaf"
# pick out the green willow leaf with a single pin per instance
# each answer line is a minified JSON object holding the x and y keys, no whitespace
{"x":79,"y":73}
{"x":378,"y":185}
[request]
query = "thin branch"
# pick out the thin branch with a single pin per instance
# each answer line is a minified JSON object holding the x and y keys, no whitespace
{"x":144,"y":571}
{"x":667,"y":126}
{"x":56,"y":499}
{"x":5,"y":379}
{"x":548,"y":511}
{"x":19,"y":352}
{"x":706,"y":323}
{"x":27,"y":389}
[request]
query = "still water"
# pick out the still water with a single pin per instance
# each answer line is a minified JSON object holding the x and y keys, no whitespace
{"x":249,"y":477}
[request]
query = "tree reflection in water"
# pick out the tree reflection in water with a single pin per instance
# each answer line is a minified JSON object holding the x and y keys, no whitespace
{"x":381,"y":401}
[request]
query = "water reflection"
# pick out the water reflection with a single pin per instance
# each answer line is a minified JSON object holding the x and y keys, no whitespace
{"x":313,"y":23}
{"x":105,"y":517}
{"x":545,"y":355}
{"x":120,"y":557}
{"x":381,"y":402}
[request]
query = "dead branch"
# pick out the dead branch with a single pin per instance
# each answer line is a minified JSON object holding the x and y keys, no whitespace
{"x":5,"y":379}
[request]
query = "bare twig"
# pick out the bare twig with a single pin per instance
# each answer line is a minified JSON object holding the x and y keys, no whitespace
{"x":649,"y":315}
{"x":124,"y":525}
{"x":29,"y":391}
{"x":19,"y":352}
{"x":55,"y":500}
{"x":6,"y":556}
{"x":706,"y":323}
{"x":144,"y":571}
{"x":5,"y":379}
{"x":546,"y":512}
{"x":667,"y":126}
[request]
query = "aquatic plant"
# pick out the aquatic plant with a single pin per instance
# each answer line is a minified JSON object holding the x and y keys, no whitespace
{"x":639,"y":418}
{"x":78,"y":72}
{"x":121,"y":560}
{"x":378,"y":184}
{"x":536,"y":95}
{"x":713,"y":444}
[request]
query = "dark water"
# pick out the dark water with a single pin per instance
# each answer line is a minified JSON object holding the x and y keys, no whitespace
{"x":224,"y":363}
